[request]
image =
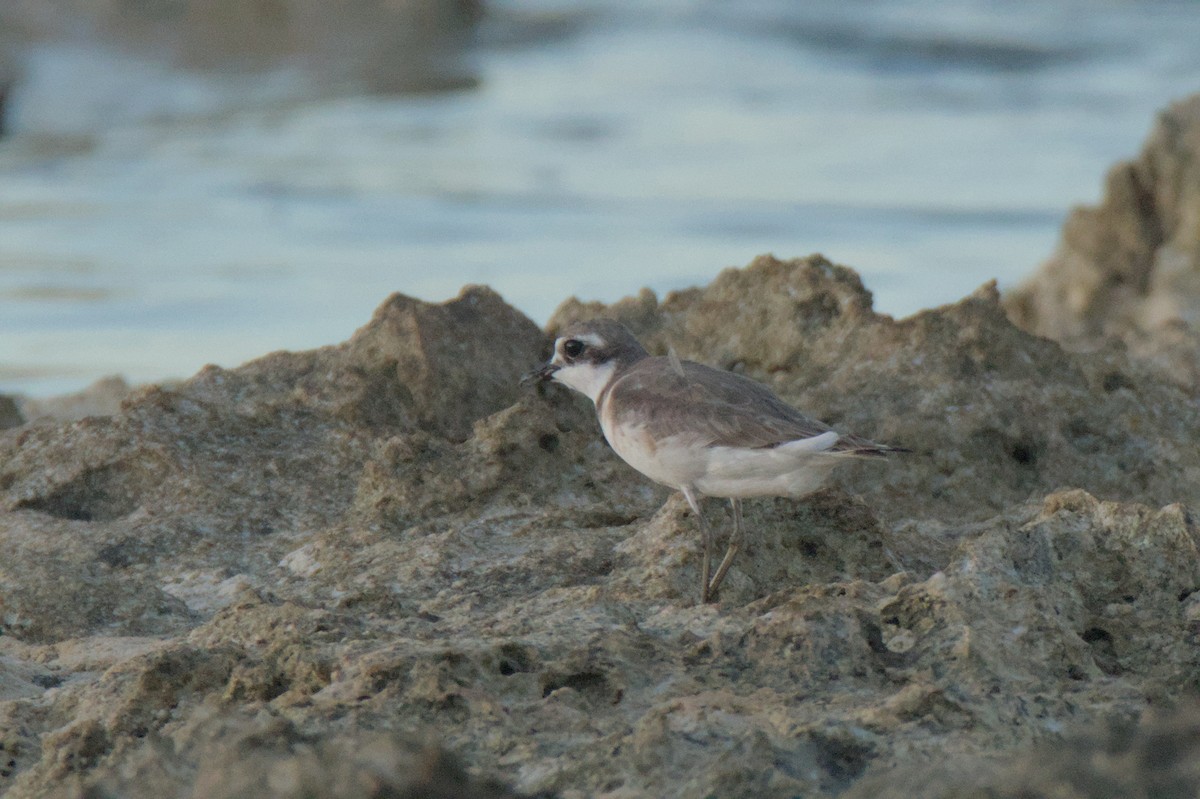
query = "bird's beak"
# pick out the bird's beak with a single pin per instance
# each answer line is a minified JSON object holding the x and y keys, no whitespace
{"x":540,"y":375}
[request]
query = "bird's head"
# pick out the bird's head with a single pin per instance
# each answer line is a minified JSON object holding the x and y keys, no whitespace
{"x":588,"y":354}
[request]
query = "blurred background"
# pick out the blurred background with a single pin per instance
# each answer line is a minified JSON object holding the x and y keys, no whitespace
{"x":195,"y":181}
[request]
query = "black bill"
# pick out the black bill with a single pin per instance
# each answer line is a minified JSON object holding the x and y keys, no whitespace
{"x":539,"y":375}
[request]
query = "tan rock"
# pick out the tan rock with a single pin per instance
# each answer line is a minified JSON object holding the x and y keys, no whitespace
{"x":1130,"y":268}
{"x":321,"y":572}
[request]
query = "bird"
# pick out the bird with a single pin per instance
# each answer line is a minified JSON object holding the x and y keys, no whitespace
{"x":697,"y":429}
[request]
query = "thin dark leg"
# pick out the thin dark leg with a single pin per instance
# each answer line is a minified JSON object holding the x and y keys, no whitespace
{"x":706,"y":531}
{"x":735,"y":543}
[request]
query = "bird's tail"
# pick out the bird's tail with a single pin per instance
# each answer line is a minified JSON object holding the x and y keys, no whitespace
{"x":851,"y":446}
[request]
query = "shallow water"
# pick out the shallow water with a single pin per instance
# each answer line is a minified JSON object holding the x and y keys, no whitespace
{"x":152,"y":221}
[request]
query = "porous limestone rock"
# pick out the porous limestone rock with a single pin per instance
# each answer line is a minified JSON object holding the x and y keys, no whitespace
{"x":344,"y":572}
{"x":1130,"y":268}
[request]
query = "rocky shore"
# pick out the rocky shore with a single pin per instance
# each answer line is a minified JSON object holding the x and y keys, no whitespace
{"x":383,"y":569}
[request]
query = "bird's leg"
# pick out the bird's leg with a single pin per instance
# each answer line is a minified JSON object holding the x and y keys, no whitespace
{"x":735,"y":543}
{"x":706,"y":531}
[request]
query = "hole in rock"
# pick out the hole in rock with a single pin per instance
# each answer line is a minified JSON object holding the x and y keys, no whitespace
{"x":874,"y":636}
{"x":1104,"y":650}
{"x":1114,"y":381}
{"x":115,"y":555}
{"x":277,"y":687}
{"x":515,"y":659}
{"x":1024,"y":453}
{"x":843,"y":759}
{"x":585,"y":682}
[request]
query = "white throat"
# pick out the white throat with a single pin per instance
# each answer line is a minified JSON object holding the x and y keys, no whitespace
{"x":586,"y":378}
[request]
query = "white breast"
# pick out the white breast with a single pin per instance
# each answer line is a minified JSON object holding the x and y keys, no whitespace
{"x":672,"y":461}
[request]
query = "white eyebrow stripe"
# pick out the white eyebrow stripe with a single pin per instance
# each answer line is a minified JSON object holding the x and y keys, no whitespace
{"x":590,"y":338}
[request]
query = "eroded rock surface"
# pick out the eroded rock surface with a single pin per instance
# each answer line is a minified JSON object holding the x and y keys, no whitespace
{"x":381,"y":568}
{"x":1129,"y":269}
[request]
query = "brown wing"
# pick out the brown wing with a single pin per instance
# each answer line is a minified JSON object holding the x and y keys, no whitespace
{"x":720,"y":408}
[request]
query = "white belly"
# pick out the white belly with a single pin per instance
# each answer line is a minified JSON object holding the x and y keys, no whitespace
{"x":774,"y":472}
{"x":792,"y":469}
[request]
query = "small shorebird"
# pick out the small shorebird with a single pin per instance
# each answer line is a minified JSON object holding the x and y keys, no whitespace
{"x":703,"y":431}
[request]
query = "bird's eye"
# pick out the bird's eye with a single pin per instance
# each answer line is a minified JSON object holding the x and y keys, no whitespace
{"x":572,"y":347}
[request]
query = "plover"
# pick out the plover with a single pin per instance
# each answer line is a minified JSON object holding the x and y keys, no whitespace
{"x":700,"y":430}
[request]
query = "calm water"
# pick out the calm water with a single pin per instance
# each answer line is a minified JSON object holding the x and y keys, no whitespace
{"x":154,"y":221}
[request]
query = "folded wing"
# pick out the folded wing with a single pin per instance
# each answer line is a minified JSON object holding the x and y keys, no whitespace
{"x":721,"y":409}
